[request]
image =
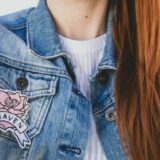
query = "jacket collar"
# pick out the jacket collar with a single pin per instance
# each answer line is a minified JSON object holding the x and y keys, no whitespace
{"x":43,"y":38}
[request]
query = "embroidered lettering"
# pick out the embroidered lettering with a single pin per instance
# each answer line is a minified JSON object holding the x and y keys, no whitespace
{"x":13,"y":111}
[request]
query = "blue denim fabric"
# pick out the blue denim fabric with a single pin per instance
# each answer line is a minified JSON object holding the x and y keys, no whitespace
{"x":59,"y":116}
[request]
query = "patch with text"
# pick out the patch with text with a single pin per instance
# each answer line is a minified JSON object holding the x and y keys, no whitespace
{"x":13,"y":115}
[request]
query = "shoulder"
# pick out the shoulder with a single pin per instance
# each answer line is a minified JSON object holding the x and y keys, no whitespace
{"x":16,"y":22}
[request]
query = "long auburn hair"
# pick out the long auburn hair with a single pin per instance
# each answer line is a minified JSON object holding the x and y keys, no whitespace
{"x":136,"y":34}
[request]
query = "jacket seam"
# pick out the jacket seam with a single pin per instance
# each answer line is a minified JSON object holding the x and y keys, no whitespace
{"x":17,"y":63}
{"x":107,"y":102}
{"x":17,"y":27}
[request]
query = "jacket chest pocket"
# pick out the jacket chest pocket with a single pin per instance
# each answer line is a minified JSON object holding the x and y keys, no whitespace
{"x":25,"y":98}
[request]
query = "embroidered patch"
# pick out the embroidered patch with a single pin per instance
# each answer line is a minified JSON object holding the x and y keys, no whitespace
{"x":13,"y":115}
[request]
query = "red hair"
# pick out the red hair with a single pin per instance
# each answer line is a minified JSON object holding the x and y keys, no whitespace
{"x":136,"y":33}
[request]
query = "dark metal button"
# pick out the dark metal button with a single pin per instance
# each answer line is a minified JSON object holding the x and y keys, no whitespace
{"x":110,"y":114}
{"x":102,"y":78}
{"x":22,"y":83}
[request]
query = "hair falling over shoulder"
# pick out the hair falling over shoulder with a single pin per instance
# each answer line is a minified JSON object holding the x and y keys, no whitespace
{"x":136,"y":33}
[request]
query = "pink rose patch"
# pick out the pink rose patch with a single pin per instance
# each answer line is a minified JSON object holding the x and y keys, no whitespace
{"x":13,"y":114}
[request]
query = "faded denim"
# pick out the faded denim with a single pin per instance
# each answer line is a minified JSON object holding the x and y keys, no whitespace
{"x":59,"y":117}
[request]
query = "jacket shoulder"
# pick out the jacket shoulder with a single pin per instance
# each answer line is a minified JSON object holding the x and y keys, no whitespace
{"x":16,"y":22}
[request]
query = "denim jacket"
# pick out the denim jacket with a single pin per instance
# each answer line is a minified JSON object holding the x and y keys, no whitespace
{"x":43,"y":116}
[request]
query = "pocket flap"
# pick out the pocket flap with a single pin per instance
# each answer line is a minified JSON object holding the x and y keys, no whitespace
{"x":29,"y":83}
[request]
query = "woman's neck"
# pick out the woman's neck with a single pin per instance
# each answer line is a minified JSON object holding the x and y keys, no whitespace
{"x":79,"y":19}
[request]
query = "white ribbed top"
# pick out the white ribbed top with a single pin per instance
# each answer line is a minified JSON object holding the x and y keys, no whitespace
{"x":86,"y":56}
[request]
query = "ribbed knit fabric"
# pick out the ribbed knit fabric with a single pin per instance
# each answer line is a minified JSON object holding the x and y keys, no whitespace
{"x":86,"y":56}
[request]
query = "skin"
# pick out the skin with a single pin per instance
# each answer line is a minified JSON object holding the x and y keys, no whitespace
{"x":79,"y":19}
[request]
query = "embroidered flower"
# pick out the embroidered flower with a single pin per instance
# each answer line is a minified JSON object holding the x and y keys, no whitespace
{"x":12,"y":103}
